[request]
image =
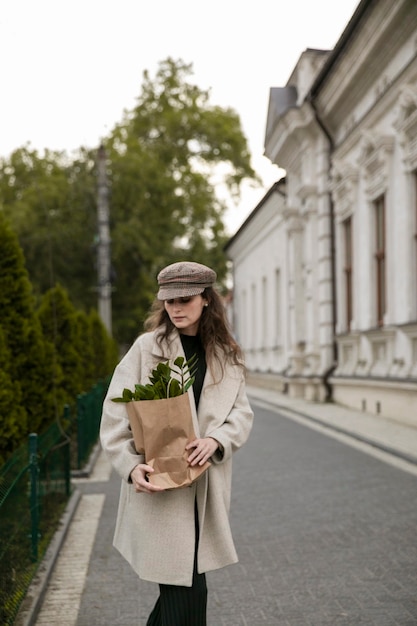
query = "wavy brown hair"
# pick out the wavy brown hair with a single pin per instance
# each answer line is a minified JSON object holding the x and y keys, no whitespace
{"x":214,"y":329}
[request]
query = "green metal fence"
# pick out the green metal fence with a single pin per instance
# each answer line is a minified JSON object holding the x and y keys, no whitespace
{"x":35,"y":485}
{"x":89,"y":407}
{"x":34,"y":488}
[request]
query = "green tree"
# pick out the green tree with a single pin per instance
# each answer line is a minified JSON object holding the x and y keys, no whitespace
{"x":50,"y":201}
{"x":30,"y":369}
{"x":61,"y":327}
{"x":166,"y":158}
{"x":12,"y":413}
{"x":85,"y":349}
{"x":104,"y":348}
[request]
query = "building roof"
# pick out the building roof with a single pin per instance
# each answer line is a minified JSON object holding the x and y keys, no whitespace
{"x":276,"y":187}
{"x":341,"y":44}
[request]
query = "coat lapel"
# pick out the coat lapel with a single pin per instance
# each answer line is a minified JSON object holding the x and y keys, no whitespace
{"x":217,"y":401}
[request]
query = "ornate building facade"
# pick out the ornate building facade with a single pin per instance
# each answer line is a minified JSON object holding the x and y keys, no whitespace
{"x":326,"y":266}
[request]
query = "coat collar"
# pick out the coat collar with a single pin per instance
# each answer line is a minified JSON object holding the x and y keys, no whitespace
{"x":171,"y":347}
{"x":168,"y":348}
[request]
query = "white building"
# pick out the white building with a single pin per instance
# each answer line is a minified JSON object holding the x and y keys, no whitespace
{"x":259,"y":254}
{"x":342,"y":244}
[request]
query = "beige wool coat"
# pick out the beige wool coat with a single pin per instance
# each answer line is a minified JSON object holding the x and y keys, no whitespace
{"x":156,"y":533}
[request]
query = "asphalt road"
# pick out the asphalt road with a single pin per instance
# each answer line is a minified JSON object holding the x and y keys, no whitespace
{"x":326,"y":535}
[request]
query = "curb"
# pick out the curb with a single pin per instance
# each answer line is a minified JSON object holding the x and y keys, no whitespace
{"x":348,"y":433}
{"x":35,"y":594}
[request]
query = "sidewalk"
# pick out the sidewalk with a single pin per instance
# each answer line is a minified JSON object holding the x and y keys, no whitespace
{"x":394,"y":437}
{"x":63,"y":571}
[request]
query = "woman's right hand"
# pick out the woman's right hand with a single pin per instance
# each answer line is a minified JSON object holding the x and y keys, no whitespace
{"x":140,"y":481}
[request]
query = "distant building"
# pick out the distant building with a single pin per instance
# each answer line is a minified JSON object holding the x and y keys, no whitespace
{"x":326,"y":266}
{"x":259,"y":252}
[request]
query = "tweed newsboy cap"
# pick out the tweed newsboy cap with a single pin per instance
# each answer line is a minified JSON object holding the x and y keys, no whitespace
{"x":183,"y":279}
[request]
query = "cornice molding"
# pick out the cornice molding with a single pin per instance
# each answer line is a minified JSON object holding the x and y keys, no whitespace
{"x":308,"y":194}
{"x":294,"y":221}
{"x":406,"y":124}
{"x":375,"y":158}
{"x":289,"y":132}
{"x":344,"y":186}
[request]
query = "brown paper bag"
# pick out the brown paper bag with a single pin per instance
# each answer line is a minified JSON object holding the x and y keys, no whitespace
{"x":161,"y":429}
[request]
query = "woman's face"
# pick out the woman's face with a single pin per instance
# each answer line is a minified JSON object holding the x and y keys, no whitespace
{"x":185,"y":313}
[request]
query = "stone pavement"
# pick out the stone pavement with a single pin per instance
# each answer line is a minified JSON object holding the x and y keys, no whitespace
{"x":325,"y":525}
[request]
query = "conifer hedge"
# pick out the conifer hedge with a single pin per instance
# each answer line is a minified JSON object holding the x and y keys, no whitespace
{"x":49,"y":351}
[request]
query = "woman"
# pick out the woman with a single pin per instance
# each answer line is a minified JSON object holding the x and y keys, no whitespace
{"x":172,"y":537}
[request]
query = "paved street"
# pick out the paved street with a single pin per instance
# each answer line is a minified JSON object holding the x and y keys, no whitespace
{"x":326,"y":535}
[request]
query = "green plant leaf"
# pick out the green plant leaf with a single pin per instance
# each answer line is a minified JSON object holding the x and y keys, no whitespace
{"x":163,"y":383}
{"x":175,"y":388}
{"x":188,"y":384}
{"x":144,"y":392}
{"x":163,"y":370}
{"x":179,"y":361}
{"x":160,"y":390}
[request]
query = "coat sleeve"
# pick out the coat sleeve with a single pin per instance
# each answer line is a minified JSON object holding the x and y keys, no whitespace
{"x":235,"y":429}
{"x":115,"y":434}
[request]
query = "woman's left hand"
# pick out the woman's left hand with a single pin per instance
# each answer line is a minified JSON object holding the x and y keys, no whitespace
{"x":203,"y":449}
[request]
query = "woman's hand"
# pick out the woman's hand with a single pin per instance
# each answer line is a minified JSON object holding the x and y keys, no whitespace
{"x":203,"y":449}
{"x":140,"y":481}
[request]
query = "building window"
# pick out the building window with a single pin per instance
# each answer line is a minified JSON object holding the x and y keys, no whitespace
{"x":254,"y":324}
{"x":242,"y":317}
{"x":278,"y":305}
{"x":347,"y":229}
{"x":415,"y":230}
{"x":264,"y":312}
{"x":380,"y":259}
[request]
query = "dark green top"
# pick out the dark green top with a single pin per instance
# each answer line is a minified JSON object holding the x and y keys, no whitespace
{"x":192,"y":345}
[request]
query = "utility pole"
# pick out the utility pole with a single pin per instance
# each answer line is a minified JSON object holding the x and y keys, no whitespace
{"x":103,"y":244}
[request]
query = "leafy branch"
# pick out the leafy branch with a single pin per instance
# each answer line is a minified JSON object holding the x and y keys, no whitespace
{"x":168,"y":380}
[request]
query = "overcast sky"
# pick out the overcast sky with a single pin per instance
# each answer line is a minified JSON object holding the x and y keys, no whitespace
{"x":70,"y":68}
